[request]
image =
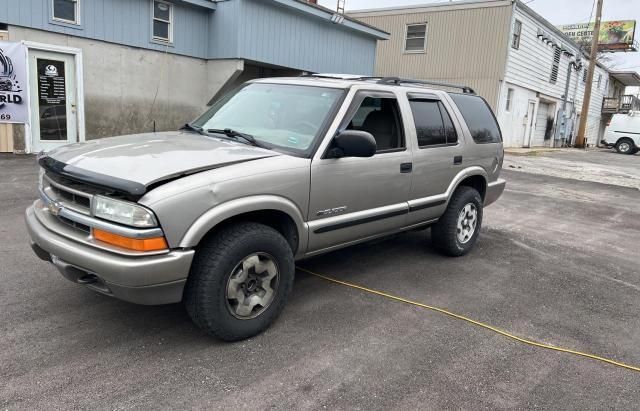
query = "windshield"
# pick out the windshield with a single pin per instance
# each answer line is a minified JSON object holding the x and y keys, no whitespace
{"x":283,"y":116}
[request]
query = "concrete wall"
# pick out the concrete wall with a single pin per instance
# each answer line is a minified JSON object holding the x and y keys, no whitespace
{"x":121,"y":84}
{"x":465,"y":43}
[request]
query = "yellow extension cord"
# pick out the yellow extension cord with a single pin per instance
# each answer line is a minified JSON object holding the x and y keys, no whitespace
{"x":478,"y":323}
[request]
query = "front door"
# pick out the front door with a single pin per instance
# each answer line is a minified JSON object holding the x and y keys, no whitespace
{"x":356,"y":198}
{"x":53,"y":97}
{"x":529,"y":123}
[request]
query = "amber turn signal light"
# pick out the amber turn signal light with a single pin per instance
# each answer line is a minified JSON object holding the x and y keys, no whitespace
{"x":136,"y":244}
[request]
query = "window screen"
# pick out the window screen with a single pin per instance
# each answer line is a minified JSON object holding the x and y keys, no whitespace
{"x":65,"y":10}
{"x":162,"y":19}
{"x":415,"y":40}
{"x":517,"y":29}
{"x":479,"y":118}
{"x":509,"y":99}
{"x":433,"y":124}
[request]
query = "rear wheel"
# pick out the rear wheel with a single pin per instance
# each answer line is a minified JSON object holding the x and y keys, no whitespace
{"x":626,"y":146}
{"x":240,"y":281}
{"x":457,"y":230}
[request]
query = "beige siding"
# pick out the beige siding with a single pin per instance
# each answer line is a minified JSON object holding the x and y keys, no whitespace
{"x":464,"y":45}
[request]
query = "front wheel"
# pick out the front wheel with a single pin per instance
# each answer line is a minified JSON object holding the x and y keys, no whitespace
{"x":626,"y":146}
{"x":457,"y":230}
{"x":239,"y":281}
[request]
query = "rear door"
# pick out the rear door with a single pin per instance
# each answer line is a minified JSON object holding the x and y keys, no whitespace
{"x":437,"y":157}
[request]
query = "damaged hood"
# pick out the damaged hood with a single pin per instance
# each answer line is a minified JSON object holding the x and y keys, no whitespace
{"x":133,"y":163}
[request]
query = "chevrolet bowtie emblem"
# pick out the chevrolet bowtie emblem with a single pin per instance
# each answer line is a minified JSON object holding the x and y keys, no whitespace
{"x":54,"y":208}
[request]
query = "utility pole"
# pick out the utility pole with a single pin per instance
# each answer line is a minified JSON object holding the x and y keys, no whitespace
{"x":580,"y":140}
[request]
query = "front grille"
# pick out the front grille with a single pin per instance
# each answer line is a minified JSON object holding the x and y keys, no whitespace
{"x":76,"y":225}
{"x":70,"y":194}
{"x":68,"y":197}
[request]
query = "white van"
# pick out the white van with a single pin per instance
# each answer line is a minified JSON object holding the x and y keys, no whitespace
{"x":623,"y":133}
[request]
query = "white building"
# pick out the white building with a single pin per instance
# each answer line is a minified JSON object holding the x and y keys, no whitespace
{"x":518,"y":61}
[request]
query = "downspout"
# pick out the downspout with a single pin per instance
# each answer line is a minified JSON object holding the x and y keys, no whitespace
{"x":562,"y":127}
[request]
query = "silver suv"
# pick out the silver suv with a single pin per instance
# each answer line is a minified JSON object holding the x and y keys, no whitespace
{"x":216,"y":214}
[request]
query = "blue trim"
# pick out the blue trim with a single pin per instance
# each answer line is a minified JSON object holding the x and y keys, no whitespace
{"x":326,"y":14}
{"x":207,"y":4}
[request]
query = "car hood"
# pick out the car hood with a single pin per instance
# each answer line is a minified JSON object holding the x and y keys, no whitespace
{"x":134,"y":163}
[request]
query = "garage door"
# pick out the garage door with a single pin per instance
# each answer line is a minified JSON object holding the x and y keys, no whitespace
{"x":541,"y":125}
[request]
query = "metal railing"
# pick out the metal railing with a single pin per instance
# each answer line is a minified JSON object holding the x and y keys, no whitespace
{"x":622,"y":104}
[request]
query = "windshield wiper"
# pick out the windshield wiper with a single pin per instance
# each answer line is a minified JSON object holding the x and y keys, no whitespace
{"x":189,"y":126}
{"x":235,"y":134}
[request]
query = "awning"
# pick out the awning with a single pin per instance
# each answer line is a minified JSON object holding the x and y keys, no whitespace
{"x":628,"y":78}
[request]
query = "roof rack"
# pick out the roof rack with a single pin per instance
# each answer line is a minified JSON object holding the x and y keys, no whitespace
{"x":339,"y":76}
{"x":398,"y":81}
{"x":389,"y":80}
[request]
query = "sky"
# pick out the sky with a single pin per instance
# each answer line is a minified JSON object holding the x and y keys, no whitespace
{"x":556,"y":11}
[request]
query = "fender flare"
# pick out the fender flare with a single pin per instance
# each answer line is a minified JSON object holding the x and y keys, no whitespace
{"x":232,"y":208}
{"x":467,"y":172}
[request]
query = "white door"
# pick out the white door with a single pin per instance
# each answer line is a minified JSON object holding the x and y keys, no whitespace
{"x":541,"y":125}
{"x":53,"y":94}
{"x":529,"y":122}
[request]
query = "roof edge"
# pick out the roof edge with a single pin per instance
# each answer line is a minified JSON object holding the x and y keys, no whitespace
{"x":329,"y":15}
{"x":417,"y":8}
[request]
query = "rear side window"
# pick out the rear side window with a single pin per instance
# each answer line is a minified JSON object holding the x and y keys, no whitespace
{"x":479,"y":118}
{"x":433,"y":124}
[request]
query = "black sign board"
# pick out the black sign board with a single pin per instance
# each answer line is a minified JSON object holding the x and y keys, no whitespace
{"x":52,"y":96}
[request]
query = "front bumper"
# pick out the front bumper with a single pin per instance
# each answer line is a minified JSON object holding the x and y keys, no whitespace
{"x":494,"y":191}
{"x":149,"y":280}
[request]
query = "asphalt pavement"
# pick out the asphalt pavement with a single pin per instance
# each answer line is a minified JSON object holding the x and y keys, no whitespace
{"x":556,"y":262}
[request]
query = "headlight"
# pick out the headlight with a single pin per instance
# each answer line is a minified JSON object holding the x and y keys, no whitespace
{"x":123,"y":212}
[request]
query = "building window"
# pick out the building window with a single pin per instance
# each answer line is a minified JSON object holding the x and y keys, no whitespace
{"x":556,"y":64}
{"x":509,"y":99}
{"x":599,"y":81}
{"x":162,"y":21}
{"x":66,"y":11}
{"x":517,"y":30}
{"x":416,"y":38}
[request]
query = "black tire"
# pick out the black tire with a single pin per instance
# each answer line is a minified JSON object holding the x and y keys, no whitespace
{"x":205,"y":295}
{"x":626,"y":146}
{"x":444,"y":234}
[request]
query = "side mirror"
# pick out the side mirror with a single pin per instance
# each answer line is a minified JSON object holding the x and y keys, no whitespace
{"x":353,"y":143}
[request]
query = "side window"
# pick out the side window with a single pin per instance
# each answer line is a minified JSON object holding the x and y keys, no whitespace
{"x":162,"y":21}
{"x":479,"y":118}
{"x":380,"y":116}
{"x":433,"y":124}
{"x":66,"y":11}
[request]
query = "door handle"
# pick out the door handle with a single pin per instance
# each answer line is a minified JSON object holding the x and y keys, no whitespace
{"x":406,"y":167}
{"x":457,"y":160}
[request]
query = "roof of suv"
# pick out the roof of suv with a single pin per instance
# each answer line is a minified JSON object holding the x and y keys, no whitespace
{"x":348,"y":80}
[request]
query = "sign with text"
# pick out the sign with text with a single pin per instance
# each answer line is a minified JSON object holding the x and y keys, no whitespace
{"x":52,"y":96}
{"x":14,"y":101}
{"x":613,"y":36}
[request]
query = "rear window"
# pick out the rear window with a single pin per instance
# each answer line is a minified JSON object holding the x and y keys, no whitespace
{"x":479,"y":118}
